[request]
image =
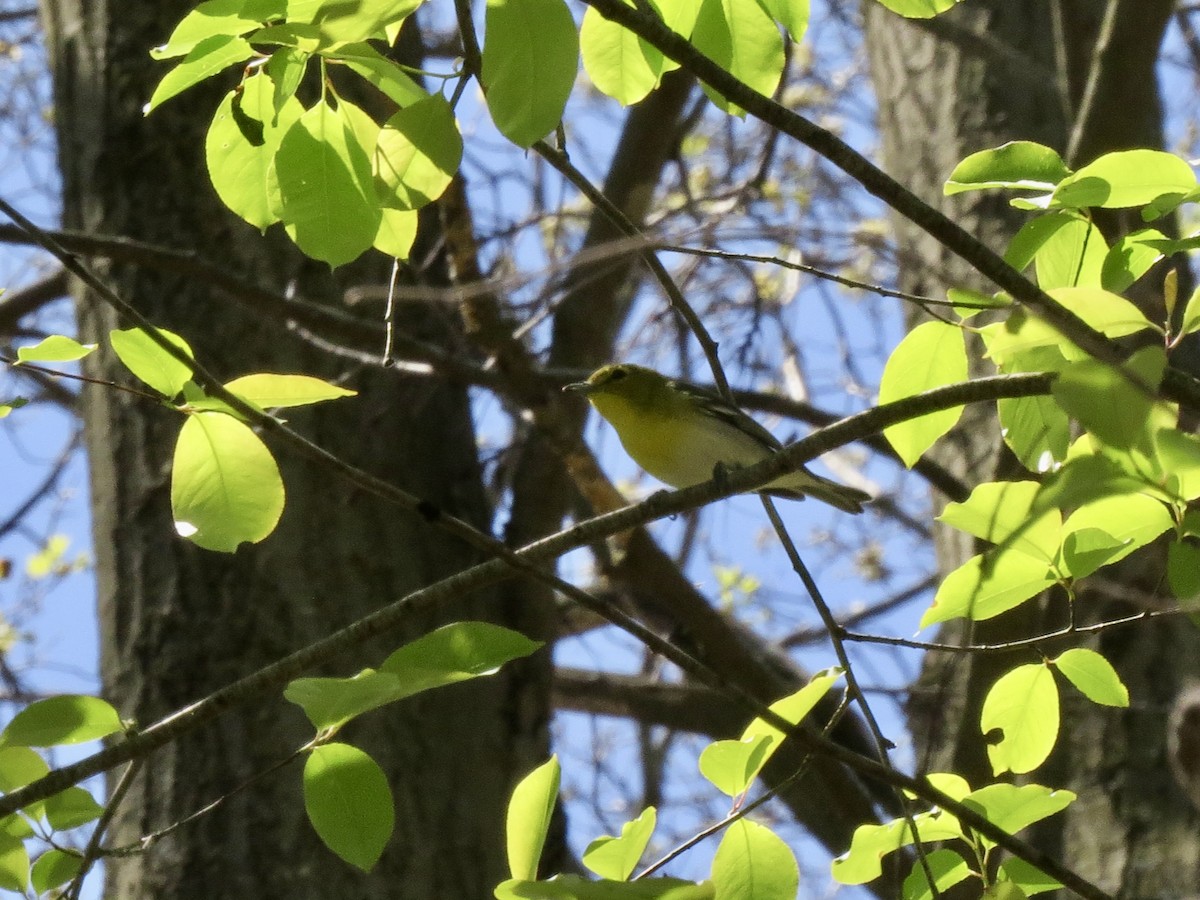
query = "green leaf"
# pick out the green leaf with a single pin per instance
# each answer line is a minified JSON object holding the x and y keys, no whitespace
{"x":1183,"y":571}
{"x":14,"y":864}
{"x":71,"y":808}
{"x":1093,"y":675}
{"x":1035,"y":428}
{"x":1133,"y":520}
{"x":530,"y":58}
{"x":20,"y":766}
{"x":225,"y":486}
{"x":793,"y":708}
{"x":216,"y":17}
{"x":1023,"y":706}
{"x":1109,"y":314}
{"x":731,"y":766}
{"x":349,"y":802}
{"x":55,"y":348}
{"x":1191,"y":314}
{"x":1126,"y":178}
{"x":1029,"y":879}
{"x":454,"y":653}
{"x":326,"y":189}
{"x":753,"y":863}
{"x":150,"y":362}
{"x":529,"y":813}
{"x":616,"y":857}
{"x":1012,"y":808}
{"x":620,"y":63}
{"x":418,"y":152}
{"x":1001,"y":512}
{"x":457,"y":652}
{"x":380,"y":71}
{"x":791,"y":14}
{"x":286,"y":69}
{"x":397,"y":232}
{"x":862,"y":863}
{"x":241,"y":143}
{"x":1113,"y":405}
{"x":204,"y":60}
{"x":572,"y":887}
{"x":919,"y":9}
{"x":948,"y":869}
{"x":1017,"y":165}
{"x":54,"y":868}
{"x":341,"y":22}
{"x":931,"y":355}
{"x":65,"y":719}
{"x":1087,"y":549}
{"x":741,"y":38}
{"x":273,"y":391}
{"x":987,"y":585}
{"x":1072,"y":256}
{"x":332,"y":702}
{"x":1129,"y":259}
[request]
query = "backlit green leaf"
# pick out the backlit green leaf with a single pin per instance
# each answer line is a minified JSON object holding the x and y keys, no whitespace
{"x":349,"y":802}
{"x":530,"y":58}
{"x":753,"y":863}
{"x":572,"y":887}
{"x":919,"y":9}
{"x":55,"y":348}
{"x":616,"y":857}
{"x":987,"y":585}
{"x":1013,"y":807}
{"x":1093,"y":675}
{"x":862,"y":863}
{"x":149,"y":362}
{"x":1017,"y":165}
{"x":1023,"y":707}
{"x":1129,"y":259}
{"x":931,"y":355}
{"x":1000,"y":512}
{"x":948,"y":869}
{"x":742,"y":39}
{"x":272,"y":391}
{"x":731,"y":766}
{"x":529,"y":813}
{"x":65,"y":719}
{"x":417,"y":153}
{"x":1183,"y":569}
{"x":71,"y":808}
{"x":204,"y":60}
{"x":1114,"y":405}
{"x":1126,"y":178}
{"x":54,"y":868}
{"x":619,"y":63}
{"x":225,"y":486}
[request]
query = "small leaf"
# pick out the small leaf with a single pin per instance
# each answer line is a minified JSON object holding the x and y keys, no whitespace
{"x":1191,"y":314}
{"x":397,"y":232}
{"x":1094,"y":676}
{"x":150,"y":362}
{"x":1183,"y":569}
{"x":616,"y":857}
{"x":1000,"y":512}
{"x":206,"y":59}
{"x":20,"y":766}
{"x":54,"y":868}
{"x":1133,"y":521}
{"x":71,"y":808}
{"x":530,"y":58}
{"x":731,"y":766}
{"x":620,"y":63}
{"x":862,"y":863}
{"x":1029,"y":879}
{"x":459,"y":651}
{"x":1129,"y":259}
{"x":1012,"y":807}
{"x":225,"y":486}
{"x":931,"y":355}
{"x":948,"y":869}
{"x":742,"y":39}
{"x":380,"y":71}
{"x":1017,"y":165}
{"x":274,"y":391}
{"x":753,"y":863}
{"x":1023,"y":706}
{"x":332,"y":702}
{"x":417,"y":153}
{"x":65,"y":719}
{"x":55,"y":348}
{"x":1114,"y":405}
{"x":1126,"y":178}
{"x":215,"y":17}
{"x":326,"y":189}
{"x":529,"y":813}
{"x":987,"y":585}
{"x":349,"y":802}
{"x":14,"y":864}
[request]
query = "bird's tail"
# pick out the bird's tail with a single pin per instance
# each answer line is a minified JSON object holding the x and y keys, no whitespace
{"x":842,"y":496}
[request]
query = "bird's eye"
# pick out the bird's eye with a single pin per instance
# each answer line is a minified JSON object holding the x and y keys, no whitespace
{"x":617,"y":374}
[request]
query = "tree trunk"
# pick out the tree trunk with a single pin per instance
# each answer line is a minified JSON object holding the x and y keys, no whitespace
{"x":942,"y":95}
{"x":178,"y":621}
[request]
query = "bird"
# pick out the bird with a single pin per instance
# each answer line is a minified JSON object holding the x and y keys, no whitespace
{"x":684,"y":435}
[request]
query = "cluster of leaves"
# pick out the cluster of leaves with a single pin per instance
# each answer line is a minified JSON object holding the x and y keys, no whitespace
{"x":225,"y":485}
{"x":340,"y":181}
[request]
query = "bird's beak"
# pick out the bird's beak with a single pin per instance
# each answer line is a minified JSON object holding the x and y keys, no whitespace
{"x":581,"y":387}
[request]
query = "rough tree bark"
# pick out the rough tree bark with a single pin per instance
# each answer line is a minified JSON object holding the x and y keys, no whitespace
{"x":942,"y":95}
{"x":177,"y":621}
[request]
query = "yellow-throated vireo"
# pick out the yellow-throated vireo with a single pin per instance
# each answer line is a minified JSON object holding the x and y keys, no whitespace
{"x":681,"y":434}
